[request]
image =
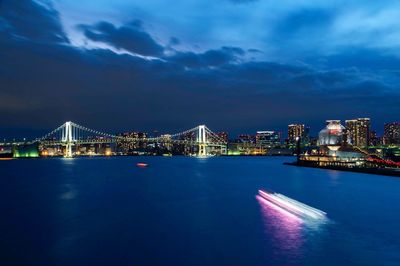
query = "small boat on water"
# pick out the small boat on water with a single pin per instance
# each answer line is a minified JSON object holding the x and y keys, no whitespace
{"x":291,"y":205}
{"x":142,"y":165}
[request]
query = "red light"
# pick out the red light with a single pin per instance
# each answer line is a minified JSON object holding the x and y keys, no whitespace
{"x":384,"y":162}
{"x":334,"y":131}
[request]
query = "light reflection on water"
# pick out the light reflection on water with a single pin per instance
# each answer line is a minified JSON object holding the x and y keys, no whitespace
{"x":283,"y":227}
{"x":77,"y":209}
{"x":288,"y":233}
{"x":68,"y":161}
{"x":69,"y":192}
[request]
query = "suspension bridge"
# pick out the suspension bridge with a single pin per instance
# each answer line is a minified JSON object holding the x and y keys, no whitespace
{"x":70,"y":134}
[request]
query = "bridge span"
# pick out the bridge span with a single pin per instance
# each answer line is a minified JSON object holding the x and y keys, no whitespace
{"x":70,"y":134}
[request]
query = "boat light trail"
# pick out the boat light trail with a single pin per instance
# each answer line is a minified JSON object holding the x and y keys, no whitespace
{"x":292,"y":206}
{"x":289,"y":217}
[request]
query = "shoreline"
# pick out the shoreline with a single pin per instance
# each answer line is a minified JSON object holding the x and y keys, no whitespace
{"x":373,"y":171}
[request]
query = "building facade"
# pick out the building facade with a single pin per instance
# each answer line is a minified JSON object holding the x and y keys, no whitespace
{"x":374,"y":139}
{"x":130,"y":142}
{"x":392,"y":133}
{"x":246,"y":138}
{"x":332,"y":134}
{"x":268,"y":139}
{"x":296,"y":131}
{"x":358,"y":132}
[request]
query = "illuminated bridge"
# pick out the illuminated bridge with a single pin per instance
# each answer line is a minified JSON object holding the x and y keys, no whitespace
{"x":71,"y":134}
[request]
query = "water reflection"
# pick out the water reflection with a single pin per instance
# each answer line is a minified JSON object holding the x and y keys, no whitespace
{"x":284,"y":229}
{"x":68,"y":161}
{"x":334,"y":177}
{"x":289,"y":235}
{"x":202,"y":159}
{"x":69,"y":192}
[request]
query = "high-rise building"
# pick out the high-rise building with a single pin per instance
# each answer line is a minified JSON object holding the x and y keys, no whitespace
{"x":244,"y":144}
{"x":373,"y":138}
{"x":296,"y":131}
{"x":131,"y":141}
{"x":358,"y":132}
{"x":268,"y":138}
{"x":246,"y":138}
{"x":392,"y":133}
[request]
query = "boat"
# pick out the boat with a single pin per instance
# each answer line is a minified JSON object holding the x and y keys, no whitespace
{"x":142,"y":165}
{"x":291,"y":205}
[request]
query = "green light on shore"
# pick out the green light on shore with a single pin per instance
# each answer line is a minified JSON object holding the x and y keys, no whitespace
{"x":234,"y":153}
{"x":30,"y":151}
{"x":29,"y":154}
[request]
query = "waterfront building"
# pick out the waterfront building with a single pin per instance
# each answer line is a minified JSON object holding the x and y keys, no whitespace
{"x":258,"y":144}
{"x":268,"y":139}
{"x":374,"y":140}
{"x":332,"y":150}
{"x":358,"y":132}
{"x":295,"y":131}
{"x":392,"y":133}
{"x":246,"y":138}
{"x":130,"y":142}
{"x":245,"y":148}
{"x":332,"y":134}
{"x":244,"y":144}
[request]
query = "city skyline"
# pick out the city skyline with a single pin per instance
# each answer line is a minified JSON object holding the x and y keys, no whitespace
{"x":125,"y":65}
{"x":389,"y":134}
{"x":200,"y":132}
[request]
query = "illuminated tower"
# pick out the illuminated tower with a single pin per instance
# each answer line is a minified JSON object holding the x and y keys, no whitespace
{"x":67,"y":138}
{"x":201,"y":139}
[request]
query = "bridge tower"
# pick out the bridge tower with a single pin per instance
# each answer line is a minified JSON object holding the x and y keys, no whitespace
{"x":67,"y":137}
{"x":202,"y":140}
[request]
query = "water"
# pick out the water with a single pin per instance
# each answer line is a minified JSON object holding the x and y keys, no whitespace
{"x":188,"y":211}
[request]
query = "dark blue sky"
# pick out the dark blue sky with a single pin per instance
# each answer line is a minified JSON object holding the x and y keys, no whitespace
{"x":234,"y":65}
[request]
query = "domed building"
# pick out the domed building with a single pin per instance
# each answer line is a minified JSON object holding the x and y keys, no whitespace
{"x":332,"y":142}
{"x":332,"y":134}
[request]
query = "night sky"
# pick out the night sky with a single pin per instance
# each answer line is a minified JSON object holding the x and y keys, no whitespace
{"x":235,"y":65}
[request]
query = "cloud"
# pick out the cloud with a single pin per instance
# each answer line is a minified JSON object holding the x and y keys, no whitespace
{"x":49,"y":81}
{"x":174,"y":41}
{"x":363,"y":58}
{"x":130,"y":37}
{"x":252,"y":50}
{"x":210,"y":58}
{"x":105,"y":90}
{"x":32,"y":20}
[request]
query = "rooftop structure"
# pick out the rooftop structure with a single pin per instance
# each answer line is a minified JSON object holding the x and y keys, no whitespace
{"x":332,"y":134}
